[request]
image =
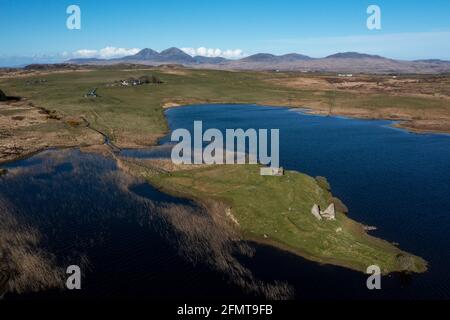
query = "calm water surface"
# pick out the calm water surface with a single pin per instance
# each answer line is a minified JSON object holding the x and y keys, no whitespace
{"x":85,"y":207}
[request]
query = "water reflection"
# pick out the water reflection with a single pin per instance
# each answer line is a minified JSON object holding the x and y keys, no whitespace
{"x":130,"y":239}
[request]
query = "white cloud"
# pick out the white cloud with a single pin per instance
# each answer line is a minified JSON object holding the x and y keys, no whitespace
{"x":114,"y":52}
{"x":105,"y":53}
{"x":85,"y":53}
{"x":212,"y":53}
{"x":236,"y":53}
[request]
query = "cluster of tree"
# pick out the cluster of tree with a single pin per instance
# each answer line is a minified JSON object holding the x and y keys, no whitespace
{"x":153,"y":79}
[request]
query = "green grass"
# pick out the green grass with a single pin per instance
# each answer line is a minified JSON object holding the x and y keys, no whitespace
{"x":277,"y":210}
{"x":274,"y":210}
{"x":134,"y":114}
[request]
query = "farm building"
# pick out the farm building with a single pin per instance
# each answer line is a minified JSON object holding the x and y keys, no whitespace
{"x":275,"y":172}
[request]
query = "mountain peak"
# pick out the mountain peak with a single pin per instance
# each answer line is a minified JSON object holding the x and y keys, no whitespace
{"x":173,"y":50}
{"x":352,"y":55}
{"x":175,"y":55}
{"x":147,"y":51}
{"x":209,"y":60}
{"x":144,"y":54}
{"x":352,"y":62}
{"x":259,"y":57}
{"x":294,"y":57}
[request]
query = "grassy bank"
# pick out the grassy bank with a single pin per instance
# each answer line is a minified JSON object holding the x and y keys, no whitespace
{"x":133,"y":116}
{"x":272,"y":210}
{"x":277,"y":211}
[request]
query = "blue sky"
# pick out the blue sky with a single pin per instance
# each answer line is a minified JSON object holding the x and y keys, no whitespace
{"x":410,"y":29}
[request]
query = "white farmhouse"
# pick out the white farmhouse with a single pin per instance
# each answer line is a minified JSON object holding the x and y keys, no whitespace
{"x":275,"y":172}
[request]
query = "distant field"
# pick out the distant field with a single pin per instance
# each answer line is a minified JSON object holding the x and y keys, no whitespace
{"x":133,"y":116}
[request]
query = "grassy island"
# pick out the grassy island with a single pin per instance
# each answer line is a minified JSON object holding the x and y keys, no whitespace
{"x":277,"y":211}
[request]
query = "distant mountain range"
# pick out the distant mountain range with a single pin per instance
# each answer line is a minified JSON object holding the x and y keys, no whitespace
{"x":350,"y":62}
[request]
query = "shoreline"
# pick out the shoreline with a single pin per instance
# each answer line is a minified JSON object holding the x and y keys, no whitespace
{"x":401,"y":123}
{"x":58,"y":123}
{"x":248,"y":237}
{"x":398,"y":123}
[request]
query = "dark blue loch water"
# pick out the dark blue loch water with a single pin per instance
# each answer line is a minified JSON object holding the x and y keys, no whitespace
{"x":389,"y":178}
{"x":121,"y":231}
{"x":135,"y":241}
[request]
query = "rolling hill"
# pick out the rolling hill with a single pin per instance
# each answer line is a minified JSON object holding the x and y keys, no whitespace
{"x":350,"y":62}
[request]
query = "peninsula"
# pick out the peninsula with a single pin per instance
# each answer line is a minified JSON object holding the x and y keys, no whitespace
{"x":55,"y":109}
